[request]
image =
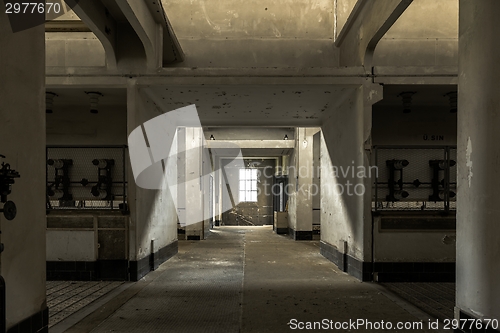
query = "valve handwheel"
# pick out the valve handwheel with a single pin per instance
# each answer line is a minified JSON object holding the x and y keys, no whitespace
{"x":9,"y":210}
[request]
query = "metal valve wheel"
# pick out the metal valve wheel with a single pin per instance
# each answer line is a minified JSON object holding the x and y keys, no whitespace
{"x":9,"y":210}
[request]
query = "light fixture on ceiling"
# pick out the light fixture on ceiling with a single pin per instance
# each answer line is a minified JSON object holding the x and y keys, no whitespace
{"x":94,"y":100}
{"x":453,"y":96}
{"x":212,"y":137}
{"x":286,"y":137}
{"x":49,"y":101}
{"x":407,"y":97}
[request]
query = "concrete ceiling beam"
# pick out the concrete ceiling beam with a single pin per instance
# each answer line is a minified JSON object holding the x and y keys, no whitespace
{"x":147,"y":29}
{"x":243,"y":144}
{"x":172,"y":50}
{"x":95,"y":16}
{"x":150,"y":23}
{"x":368,"y":22}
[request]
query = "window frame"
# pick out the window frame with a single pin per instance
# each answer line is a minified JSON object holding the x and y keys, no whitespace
{"x":247,"y":185}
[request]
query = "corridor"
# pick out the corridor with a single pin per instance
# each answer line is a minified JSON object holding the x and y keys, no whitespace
{"x":244,"y":279}
{"x":146,"y":147}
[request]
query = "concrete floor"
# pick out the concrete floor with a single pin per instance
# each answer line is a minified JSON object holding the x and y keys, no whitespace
{"x":245,"y":279}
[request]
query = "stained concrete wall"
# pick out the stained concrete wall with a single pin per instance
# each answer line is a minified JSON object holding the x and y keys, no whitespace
{"x":478,"y":230}
{"x":75,"y":49}
{"x":153,"y":215}
{"x":22,"y":141}
{"x":426,"y":34}
{"x":225,"y":33}
{"x":345,"y":216}
{"x":287,"y":33}
{"x":393,"y":127}
{"x":343,"y":9}
{"x":75,"y":125}
{"x":297,"y":33}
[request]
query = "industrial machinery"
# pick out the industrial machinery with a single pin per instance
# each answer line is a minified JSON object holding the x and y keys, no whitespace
{"x":7,"y":176}
{"x":440,"y":188}
{"x":103,"y":189}
{"x":396,"y":191}
{"x":7,"y":179}
{"x":60,"y":188}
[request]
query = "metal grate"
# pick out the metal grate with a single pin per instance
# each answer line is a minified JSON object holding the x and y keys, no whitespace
{"x":86,"y":177}
{"x":415,"y":178}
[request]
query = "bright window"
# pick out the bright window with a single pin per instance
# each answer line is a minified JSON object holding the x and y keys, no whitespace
{"x":248,"y":185}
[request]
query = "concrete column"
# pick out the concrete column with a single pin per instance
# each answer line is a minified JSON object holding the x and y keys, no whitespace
{"x":153,"y":214}
{"x":316,"y":200}
{"x":346,"y":182}
{"x":181,"y":179}
{"x":218,"y":191}
{"x":207,"y":189}
{"x":478,"y":227}
{"x":194,"y":184}
{"x":302,"y":217}
{"x":22,"y":141}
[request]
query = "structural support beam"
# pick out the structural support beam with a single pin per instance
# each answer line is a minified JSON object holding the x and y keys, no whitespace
{"x":95,"y":16}
{"x":172,"y":51}
{"x":146,"y":24}
{"x":251,"y":144}
{"x":366,"y":25}
{"x":149,"y":31}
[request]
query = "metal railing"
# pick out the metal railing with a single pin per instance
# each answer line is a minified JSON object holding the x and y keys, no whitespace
{"x":415,"y":178}
{"x":86,"y":178}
